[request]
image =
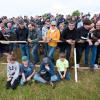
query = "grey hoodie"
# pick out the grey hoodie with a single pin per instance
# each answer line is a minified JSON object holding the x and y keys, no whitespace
{"x":13,"y":71}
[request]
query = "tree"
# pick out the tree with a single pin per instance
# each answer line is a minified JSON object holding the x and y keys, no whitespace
{"x":76,"y":13}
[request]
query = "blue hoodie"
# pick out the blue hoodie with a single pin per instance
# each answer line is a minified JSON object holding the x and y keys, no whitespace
{"x":45,"y":61}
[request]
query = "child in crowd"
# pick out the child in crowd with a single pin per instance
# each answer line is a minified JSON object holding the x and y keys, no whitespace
{"x":12,"y":72}
{"x":27,"y":70}
{"x":46,"y":73}
{"x":62,"y":65}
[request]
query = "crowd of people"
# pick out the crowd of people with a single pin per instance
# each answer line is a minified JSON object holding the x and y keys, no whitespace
{"x":51,"y":32}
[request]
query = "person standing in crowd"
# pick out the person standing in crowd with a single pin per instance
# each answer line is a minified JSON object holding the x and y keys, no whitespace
{"x":11,"y":36}
{"x":80,"y":22}
{"x":68,"y":37}
{"x":82,"y":40}
{"x":33,"y":38}
{"x":22,"y":35}
{"x":3,"y":28}
{"x":95,"y":47}
{"x":45,"y":29}
{"x":13,"y":70}
{"x":27,"y":71}
{"x":98,"y":48}
{"x":60,"y":20}
{"x":61,"y":28}
{"x":46,"y":73}
{"x":53,"y":36}
{"x":2,"y":46}
{"x":62,"y":65}
{"x":5,"y":21}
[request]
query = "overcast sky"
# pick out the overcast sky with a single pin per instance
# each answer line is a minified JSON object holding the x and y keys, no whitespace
{"x":38,"y":7}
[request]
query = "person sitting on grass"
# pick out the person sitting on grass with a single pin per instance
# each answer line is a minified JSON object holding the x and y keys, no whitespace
{"x":27,"y":71}
{"x":12,"y":72}
{"x":46,"y":73}
{"x":62,"y":65}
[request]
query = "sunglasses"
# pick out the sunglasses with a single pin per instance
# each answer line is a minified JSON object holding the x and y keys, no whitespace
{"x":53,"y":25}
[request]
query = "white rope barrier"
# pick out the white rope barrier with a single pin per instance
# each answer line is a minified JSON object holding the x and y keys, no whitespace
{"x":8,"y":42}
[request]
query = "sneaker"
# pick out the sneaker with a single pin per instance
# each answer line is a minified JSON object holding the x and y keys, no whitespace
{"x":53,"y":85}
{"x":96,"y":66}
{"x":77,"y":65}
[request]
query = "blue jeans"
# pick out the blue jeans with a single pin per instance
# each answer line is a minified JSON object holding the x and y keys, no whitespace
{"x":38,"y":78}
{"x":45,"y":49}
{"x":35,"y":53}
{"x":51,"y":52}
{"x":93,"y":54}
{"x":68,"y":50}
{"x":27,"y":74}
{"x":67,"y":76}
{"x":25,"y":51}
{"x":79,"y":50}
{"x":98,"y":55}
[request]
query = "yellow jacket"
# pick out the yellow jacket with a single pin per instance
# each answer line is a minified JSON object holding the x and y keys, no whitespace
{"x":54,"y":35}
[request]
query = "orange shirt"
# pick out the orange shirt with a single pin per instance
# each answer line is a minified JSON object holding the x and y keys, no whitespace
{"x":54,"y":35}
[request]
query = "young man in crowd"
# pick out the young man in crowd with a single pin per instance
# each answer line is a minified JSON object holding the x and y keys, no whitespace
{"x":82,"y":40}
{"x":61,"y":44}
{"x":33,"y":38}
{"x":11,"y":36}
{"x":22,"y":35}
{"x":98,"y":48}
{"x":45,"y":29}
{"x":2,"y":46}
{"x":95,"y":47}
{"x":27,"y":70}
{"x":68,"y":37}
{"x":4,"y":36}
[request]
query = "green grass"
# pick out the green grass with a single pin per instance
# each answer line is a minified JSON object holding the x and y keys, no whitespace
{"x":87,"y":88}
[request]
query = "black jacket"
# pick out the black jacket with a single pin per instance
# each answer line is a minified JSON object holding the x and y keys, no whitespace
{"x":22,"y":34}
{"x":68,"y":34}
{"x":1,"y":36}
{"x":95,"y":35}
{"x":82,"y":32}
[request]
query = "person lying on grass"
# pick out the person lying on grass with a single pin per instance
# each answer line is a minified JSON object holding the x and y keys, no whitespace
{"x":27,"y":71}
{"x":62,"y":65}
{"x":12,"y":72}
{"x":46,"y":73}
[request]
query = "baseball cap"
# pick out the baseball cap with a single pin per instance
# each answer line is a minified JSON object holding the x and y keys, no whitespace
{"x":24,"y":58}
{"x":53,"y":23}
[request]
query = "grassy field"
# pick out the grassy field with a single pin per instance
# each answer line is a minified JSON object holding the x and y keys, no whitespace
{"x":87,"y":88}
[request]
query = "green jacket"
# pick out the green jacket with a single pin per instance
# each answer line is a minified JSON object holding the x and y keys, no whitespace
{"x":35,"y":36}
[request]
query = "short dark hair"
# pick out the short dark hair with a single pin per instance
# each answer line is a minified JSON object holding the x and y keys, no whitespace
{"x":62,"y":55}
{"x":71,"y":22}
{"x":33,"y":24}
{"x":47,"y":20}
{"x":87,"y":21}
